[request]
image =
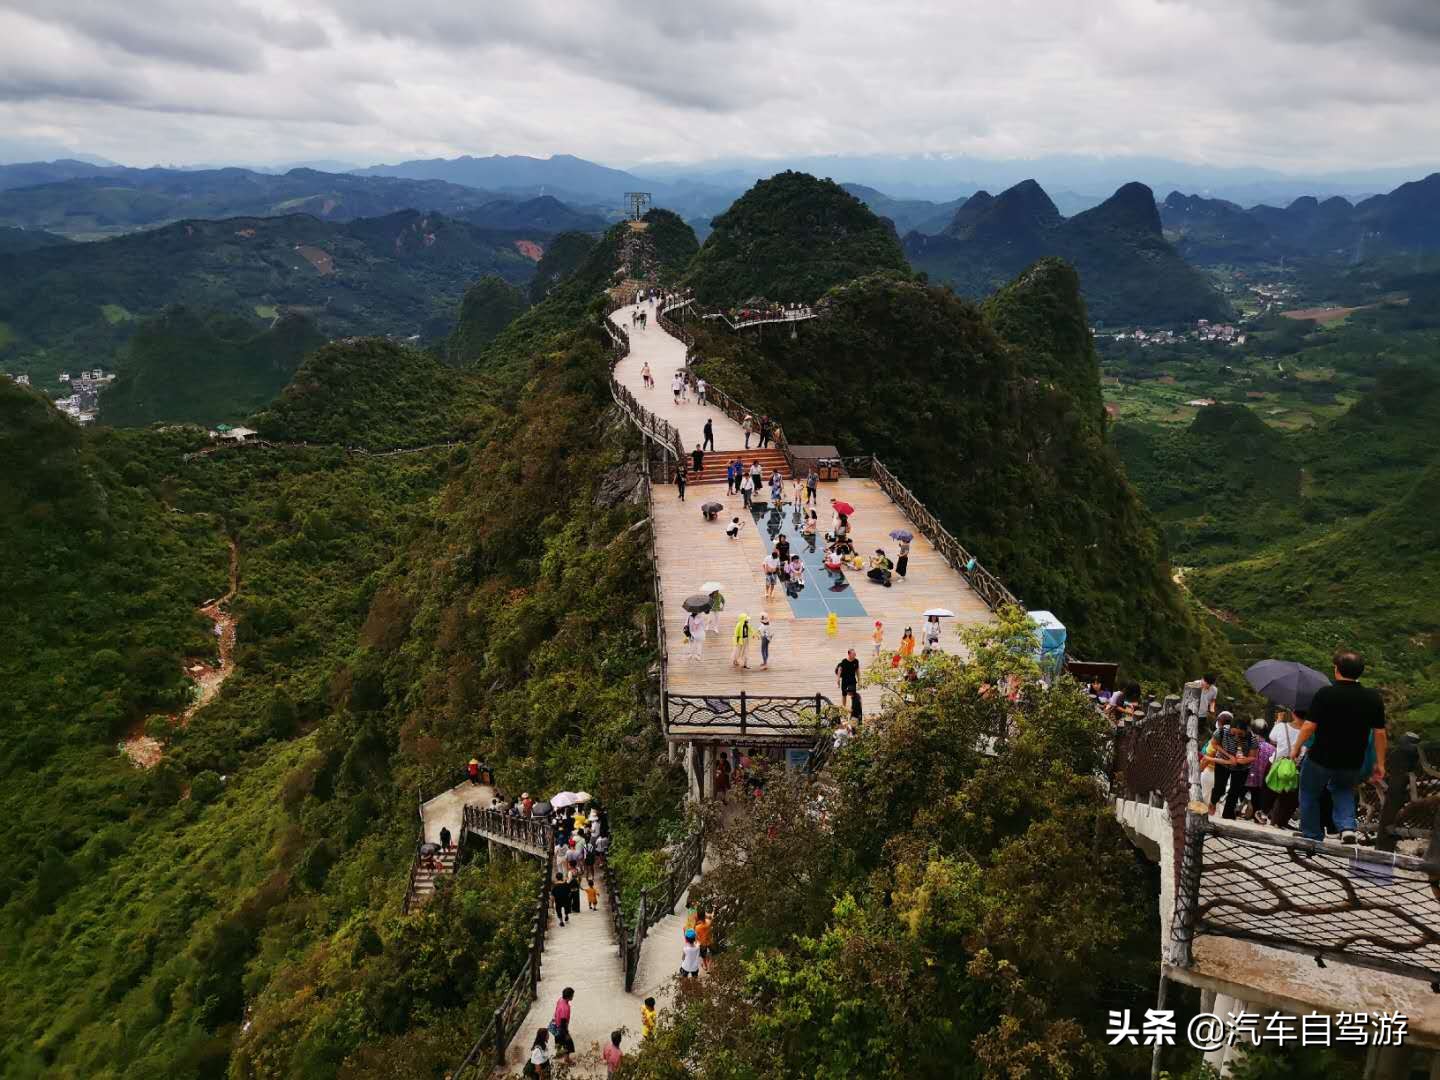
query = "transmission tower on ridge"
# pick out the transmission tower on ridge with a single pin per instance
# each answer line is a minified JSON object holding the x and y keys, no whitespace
{"x":637,"y":201}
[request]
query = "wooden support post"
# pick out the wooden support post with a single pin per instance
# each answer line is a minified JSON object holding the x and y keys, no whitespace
{"x":742,"y":712}
{"x":499,"y":1038}
{"x":1159,"y":1006}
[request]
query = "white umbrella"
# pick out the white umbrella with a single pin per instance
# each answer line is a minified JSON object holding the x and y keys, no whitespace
{"x":940,"y":613}
{"x":568,"y":798}
{"x":712,"y":586}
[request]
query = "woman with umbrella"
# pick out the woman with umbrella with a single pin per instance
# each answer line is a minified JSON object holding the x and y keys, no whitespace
{"x":902,"y":559}
{"x":710,"y":510}
{"x":717,"y":603}
{"x":694,"y":628}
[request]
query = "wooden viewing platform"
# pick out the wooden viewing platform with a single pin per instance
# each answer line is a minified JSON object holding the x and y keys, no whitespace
{"x":691,"y":550}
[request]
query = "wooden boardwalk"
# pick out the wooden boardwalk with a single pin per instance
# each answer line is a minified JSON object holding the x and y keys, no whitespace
{"x":692,"y":551}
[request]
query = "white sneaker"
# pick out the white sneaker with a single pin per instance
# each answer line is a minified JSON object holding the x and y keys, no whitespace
{"x":1348,"y":836}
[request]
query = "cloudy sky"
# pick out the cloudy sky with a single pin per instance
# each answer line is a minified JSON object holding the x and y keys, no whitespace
{"x":1297,"y":85}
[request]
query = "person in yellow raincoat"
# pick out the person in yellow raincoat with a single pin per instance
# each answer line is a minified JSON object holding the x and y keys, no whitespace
{"x":741,"y":656}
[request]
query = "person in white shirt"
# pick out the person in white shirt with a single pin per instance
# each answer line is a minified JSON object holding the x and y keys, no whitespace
{"x":696,"y":625}
{"x":690,"y":956}
{"x":676,"y":385}
{"x":700,"y":391}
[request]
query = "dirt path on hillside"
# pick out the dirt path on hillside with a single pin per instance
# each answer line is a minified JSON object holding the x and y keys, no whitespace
{"x":145,"y":751}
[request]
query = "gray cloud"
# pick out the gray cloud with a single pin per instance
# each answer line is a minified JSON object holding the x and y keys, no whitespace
{"x":1290,"y":84}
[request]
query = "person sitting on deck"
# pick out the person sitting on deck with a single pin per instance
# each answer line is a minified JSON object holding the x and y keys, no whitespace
{"x":880,"y":568}
{"x":797,"y":576}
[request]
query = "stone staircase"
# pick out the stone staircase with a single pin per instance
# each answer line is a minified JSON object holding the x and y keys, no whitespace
{"x":425,"y":877}
{"x":715,"y":461}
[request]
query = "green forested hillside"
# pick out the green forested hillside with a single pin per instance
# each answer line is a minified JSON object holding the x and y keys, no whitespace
{"x":395,"y":616}
{"x":14,"y":240}
{"x":490,"y":305}
{"x":372,"y":393}
{"x":183,"y":366}
{"x":788,"y":239}
{"x":402,"y":275}
{"x":563,"y":256}
{"x":992,"y":416}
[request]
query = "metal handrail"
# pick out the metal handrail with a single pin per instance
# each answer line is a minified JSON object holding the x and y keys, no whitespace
{"x":684,"y":865}
{"x":656,"y":428}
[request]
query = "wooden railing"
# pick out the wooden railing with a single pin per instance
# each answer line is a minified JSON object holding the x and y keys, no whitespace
{"x":713,"y":394}
{"x":655,"y":428}
{"x":684,"y":866}
{"x":530,"y":834}
{"x":761,"y":319}
{"x":507,"y":1017}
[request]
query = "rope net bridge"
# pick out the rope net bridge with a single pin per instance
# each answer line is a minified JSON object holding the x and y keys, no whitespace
{"x":1356,"y":905}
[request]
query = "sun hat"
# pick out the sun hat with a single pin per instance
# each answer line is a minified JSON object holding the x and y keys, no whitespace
{"x":764,"y":618}
{"x":689,"y":935}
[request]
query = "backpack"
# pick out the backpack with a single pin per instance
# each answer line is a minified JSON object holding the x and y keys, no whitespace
{"x":745,"y":629}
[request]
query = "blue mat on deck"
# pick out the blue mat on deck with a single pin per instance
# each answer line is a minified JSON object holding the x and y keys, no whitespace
{"x":824,"y":591}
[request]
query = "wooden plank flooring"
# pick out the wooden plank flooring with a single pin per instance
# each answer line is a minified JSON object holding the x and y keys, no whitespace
{"x":691,"y":551}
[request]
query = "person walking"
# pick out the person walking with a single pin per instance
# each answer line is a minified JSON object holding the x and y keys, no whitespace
{"x":797,"y":493}
{"x":767,"y":634}
{"x":677,"y":384}
{"x":472,"y":769}
{"x":647,"y":1018}
{"x":812,"y":487}
{"x":695,"y":635}
{"x":878,"y":637}
{"x":932,"y":632}
{"x":741,"y":656}
{"x":907,"y":644}
{"x":700,"y":388}
{"x":1261,"y":797}
{"x":717,"y":605}
{"x":708,"y":442}
{"x":902,"y":560}
{"x":560,"y":893}
{"x":747,"y":426}
{"x":732,"y":477}
{"x":690,"y":956}
{"x":770,"y":567}
{"x":697,"y":458}
{"x":680,"y":481}
{"x":747,"y":488}
{"x":847,"y":675}
{"x":645,"y":376}
{"x":777,"y":488}
{"x":703,"y":929}
{"x":539,"y":1063}
{"x":764,"y":432}
{"x":564,"y":1044}
{"x":757,"y":476}
{"x":722,"y":776}
{"x":612,"y":1055}
{"x":1337,"y":732}
{"x":1232,"y":762}
{"x":1283,"y":737}
{"x":444,"y":838}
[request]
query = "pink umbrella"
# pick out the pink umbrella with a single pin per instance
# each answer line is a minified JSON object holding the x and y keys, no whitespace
{"x":842,"y":507}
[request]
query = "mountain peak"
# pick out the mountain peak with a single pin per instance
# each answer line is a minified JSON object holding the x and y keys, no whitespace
{"x":1131,"y":207}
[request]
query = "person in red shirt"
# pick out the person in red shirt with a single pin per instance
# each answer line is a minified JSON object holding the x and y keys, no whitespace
{"x":564,"y":1044}
{"x":612,"y":1054}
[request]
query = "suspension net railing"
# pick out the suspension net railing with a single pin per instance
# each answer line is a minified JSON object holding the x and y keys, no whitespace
{"x":1364,"y":907}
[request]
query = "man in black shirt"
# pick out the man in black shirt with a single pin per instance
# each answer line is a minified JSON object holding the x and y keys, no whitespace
{"x":847,"y":674}
{"x":1338,"y":730}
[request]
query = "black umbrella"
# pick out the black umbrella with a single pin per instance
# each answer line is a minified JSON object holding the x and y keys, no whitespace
{"x":1285,"y":683}
{"x":698,"y":602}
{"x":712,"y":507}
{"x":540,"y":810}
{"x":429,"y":849}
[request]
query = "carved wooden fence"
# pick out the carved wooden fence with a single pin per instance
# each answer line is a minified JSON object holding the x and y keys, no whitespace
{"x":746,"y":715}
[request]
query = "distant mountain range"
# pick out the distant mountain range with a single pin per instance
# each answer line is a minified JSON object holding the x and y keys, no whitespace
{"x":1215,"y":230}
{"x":1128,"y":271}
{"x":87,"y":201}
{"x":402,"y":274}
